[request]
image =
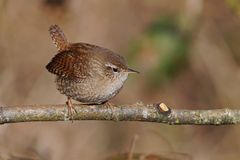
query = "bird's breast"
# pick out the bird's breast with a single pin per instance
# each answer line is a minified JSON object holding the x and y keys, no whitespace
{"x":91,"y":90}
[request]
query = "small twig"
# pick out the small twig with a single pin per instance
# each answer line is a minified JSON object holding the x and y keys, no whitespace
{"x":132,"y":147}
{"x":135,"y":112}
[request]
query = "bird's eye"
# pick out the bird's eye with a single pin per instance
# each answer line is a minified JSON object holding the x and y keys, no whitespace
{"x":115,"y":70}
{"x":112,"y":68}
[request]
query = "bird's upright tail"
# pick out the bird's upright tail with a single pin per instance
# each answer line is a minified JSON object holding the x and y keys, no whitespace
{"x":58,"y":38}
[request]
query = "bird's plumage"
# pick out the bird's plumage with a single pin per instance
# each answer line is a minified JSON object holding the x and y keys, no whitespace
{"x":74,"y":62}
{"x":58,"y":38}
{"x":85,"y":72}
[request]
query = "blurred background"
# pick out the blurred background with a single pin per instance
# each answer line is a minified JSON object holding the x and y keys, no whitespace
{"x":188,"y":54}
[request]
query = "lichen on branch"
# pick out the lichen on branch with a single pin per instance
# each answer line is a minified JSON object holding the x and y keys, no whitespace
{"x":158,"y":113}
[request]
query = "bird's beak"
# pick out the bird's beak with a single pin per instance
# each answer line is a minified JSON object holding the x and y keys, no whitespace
{"x":129,"y":70}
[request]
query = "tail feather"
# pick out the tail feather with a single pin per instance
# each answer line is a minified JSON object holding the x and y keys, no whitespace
{"x":58,"y":38}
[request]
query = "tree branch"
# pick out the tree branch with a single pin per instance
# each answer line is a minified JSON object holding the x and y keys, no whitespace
{"x":135,"y":112}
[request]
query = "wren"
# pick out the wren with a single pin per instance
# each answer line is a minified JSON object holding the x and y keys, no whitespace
{"x":85,"y":72}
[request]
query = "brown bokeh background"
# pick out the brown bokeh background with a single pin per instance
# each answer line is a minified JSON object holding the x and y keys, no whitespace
{"x":188,"y":54}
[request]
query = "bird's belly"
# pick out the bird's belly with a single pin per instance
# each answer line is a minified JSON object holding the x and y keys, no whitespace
{"x":88,"y":91}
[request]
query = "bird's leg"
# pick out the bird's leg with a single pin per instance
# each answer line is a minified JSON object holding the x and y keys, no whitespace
{"x":71,"y":109}
{"x":111,"y":106}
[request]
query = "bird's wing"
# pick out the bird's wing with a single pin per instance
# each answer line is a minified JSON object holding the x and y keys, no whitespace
{"x":69,"y":65}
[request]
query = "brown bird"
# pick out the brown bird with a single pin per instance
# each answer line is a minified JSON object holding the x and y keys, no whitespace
{"x":85,"y":72}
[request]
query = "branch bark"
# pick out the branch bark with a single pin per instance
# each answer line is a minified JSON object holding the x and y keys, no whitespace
{"x":135,"y":112}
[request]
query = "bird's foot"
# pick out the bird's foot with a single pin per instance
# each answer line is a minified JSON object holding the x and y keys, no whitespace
{"x":111,"y":106}
{"x":71,"y":109}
